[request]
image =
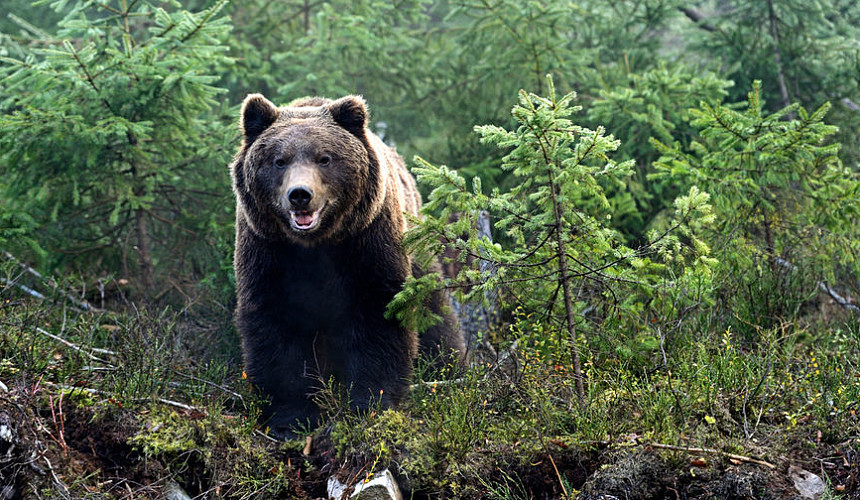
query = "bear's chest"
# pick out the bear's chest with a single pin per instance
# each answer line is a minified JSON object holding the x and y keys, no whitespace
{"x":325,"y":288}
{"x":314,"y":286}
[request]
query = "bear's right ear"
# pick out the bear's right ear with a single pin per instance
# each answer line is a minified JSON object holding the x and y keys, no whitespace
{"x":350,"y":112}
{"x":258,"y":114}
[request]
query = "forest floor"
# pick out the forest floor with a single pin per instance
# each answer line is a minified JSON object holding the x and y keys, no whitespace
{"x":109,"y":405}
{"x":96,"y":452}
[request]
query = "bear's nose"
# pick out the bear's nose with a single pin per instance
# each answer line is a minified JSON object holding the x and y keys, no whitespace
{"x":300,"y":197}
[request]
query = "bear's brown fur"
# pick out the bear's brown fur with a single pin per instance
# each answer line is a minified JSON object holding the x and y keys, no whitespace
{"x":319,"y":224}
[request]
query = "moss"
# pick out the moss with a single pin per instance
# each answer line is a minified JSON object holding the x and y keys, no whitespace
{"x":214,"y":447}
{"x":374,"y":433}
{"x":81,"y":398}
{"x":395,"y":440}
{"x":165,"y":432}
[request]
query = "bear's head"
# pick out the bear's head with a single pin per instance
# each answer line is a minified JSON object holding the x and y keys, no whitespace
{"x":307,"y":172}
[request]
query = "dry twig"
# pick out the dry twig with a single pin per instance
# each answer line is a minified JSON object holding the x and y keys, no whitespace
{"x":740,"y":458}
{"x":563,"y":488}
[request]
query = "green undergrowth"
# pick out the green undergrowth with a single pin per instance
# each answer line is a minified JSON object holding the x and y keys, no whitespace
{"x":120,"y":400}
{"x":794,"y":393}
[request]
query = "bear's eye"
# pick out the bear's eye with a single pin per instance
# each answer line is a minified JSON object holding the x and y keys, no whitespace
{"x":280,"y":163}
{"x":324,"y":160}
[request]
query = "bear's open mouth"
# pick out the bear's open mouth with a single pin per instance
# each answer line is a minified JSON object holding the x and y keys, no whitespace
{"x":305,"y":220}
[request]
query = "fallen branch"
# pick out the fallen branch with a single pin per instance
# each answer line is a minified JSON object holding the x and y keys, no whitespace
{"x":177,"y":404}
{"x":139,"y":400}
{"x":80,"y":349}
{"x":740,"y":458}
{"x":263,"y":434}
{"x":436,"y":383}
{"x":71,"y":298}
{"x":23,"y":288}
{"x":56,"y":479}
{"x":213,"y":384}
{"x":686,"y":449}
{"x":842,"y":301}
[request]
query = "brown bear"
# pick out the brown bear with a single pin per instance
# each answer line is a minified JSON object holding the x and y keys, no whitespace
{"x":320,"y":204}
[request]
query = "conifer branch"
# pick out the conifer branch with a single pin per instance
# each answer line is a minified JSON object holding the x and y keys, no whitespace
{"x":87,"y":74}
{"x":110,"y":9}
{"x":212,"y":11}
{"x":35,"y":30}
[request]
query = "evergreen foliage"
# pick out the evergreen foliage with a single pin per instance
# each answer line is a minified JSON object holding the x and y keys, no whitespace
{"x":654,"y":103}
{"x":297,"y":48}
{"x":689,"y":280}
{"x":562,"y":259}
{"x":801,"y":51}
{"x":105,"y":139}
{"x":783,"y":201}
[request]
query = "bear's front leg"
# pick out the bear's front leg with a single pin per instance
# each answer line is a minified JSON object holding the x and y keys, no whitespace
{"x":379,"y":365}
{"x":280,"y":367}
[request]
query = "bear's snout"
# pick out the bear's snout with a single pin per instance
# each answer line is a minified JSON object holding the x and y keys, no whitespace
{"x":304,"y":197}
{"x":300,"y":197}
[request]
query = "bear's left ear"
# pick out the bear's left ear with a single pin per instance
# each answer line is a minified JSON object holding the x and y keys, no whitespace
{"x":350,"y":112}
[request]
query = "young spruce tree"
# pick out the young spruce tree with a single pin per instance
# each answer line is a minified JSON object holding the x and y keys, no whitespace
{"x":560,"y":258}
{"x":801,"y":51}
{"x":104,"y":140}
{"x":785,"y":204}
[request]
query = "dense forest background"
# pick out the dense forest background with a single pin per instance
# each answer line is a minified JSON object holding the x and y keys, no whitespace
{"x":675,"y":272}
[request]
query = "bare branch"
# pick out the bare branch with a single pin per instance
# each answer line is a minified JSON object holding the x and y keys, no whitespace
{"x":853,"y":106}
{"x":697,"y":17}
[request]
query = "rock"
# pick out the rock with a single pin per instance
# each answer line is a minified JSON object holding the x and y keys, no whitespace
{"x":382,"y":486}
{"x":11,"y":459}
{"x":476,"y":318}
{"x":172,"y":491}
{"x":808,"y":484}
{"x":335,"y":489}
{"x":8,"y":438}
